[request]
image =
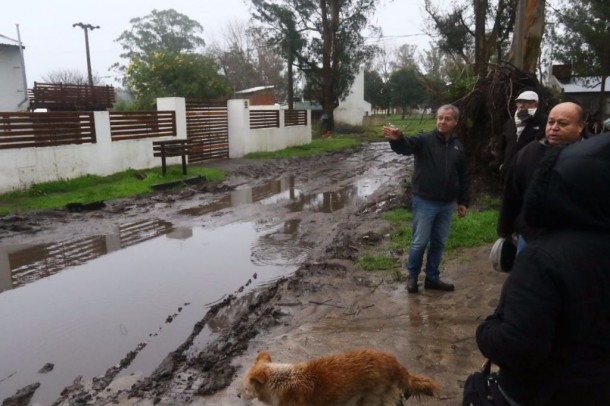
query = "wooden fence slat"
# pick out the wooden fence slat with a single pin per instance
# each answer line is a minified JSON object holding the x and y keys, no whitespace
{"x":27,"y":129}
{"x":295,"y":117}
{"x":137,"y":125}
{"x":56,"y":96}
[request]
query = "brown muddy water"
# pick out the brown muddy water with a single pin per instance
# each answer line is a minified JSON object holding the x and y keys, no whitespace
{"x":83,"y":318}
{"x":79,"y":305}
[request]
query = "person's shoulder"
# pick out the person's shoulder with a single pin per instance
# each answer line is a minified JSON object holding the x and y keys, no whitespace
{"x":425,"y":135}
{"x":530,"y":152}
{"x":533,"y":146}
{"x":431,"y":133}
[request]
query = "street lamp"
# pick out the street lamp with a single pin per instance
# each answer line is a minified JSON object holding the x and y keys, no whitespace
{"x":87,"y":27}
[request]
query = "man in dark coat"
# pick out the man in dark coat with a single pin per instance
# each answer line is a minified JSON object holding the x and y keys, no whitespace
{"x":439,"y":180}
{"x":565,"y":125}
{"x":550,"y":333}
{"x":527,"y":125}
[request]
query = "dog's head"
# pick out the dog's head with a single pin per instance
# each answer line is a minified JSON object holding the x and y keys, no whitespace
{"x":256,"y":378}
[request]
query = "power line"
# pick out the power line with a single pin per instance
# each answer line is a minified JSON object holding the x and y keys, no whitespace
{"x":395,"y":36}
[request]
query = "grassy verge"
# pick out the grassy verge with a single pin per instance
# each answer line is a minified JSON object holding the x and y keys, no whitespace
{"x":92,"y":188}
{"x":409,"y":125}
{"x":476,"y":228}
{"x":316,"y":147}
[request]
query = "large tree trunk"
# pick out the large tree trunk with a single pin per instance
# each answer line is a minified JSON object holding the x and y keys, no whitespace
{"x":290,"y":81}
{"x":480,"y":59}
{"x":328,"y":101}
{"x":529,"y":26}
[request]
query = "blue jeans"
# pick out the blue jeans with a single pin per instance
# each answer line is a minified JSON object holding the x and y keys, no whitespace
{"x":431,"y":222}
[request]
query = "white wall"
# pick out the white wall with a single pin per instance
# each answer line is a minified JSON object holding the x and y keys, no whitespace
{"x":351,"y":109}
{"x":243,"y":140}
{"x":11,"y":80}
{"x":21,"y":167}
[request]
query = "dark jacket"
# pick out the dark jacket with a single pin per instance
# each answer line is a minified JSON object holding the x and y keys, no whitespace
{"x":510,"y":145}
{"x":518,"y":179}
{"x":440,"y":166}
{"x":550,"y":333}
{"x":510,"y":217}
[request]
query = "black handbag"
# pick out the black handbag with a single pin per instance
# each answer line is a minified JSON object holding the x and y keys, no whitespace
{"x":481,"y":388}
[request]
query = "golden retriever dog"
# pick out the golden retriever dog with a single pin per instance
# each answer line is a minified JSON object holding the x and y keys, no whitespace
{"x":364,"y":377}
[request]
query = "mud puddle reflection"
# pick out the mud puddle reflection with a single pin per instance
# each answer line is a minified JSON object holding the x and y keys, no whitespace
{"x":82,"y":305}
{"x":285,"y":191}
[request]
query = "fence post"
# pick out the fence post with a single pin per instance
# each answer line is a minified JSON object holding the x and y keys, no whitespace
{"x":102,"y":161}
{"x":239,"y":127}
{"x":178,"y":105}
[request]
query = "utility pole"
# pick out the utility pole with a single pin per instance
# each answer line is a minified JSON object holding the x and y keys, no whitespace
{"x":87,"y":28}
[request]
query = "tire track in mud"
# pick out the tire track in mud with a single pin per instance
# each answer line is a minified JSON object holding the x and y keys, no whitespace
{"x":179,"y":377}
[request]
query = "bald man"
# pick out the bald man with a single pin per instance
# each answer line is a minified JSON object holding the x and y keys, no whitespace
{"x":565,"y":125}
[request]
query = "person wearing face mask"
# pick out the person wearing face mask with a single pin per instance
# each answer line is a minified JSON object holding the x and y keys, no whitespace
{"x":565,"y":125}
{"x":550,"y":332}
{"x":526,"y":125}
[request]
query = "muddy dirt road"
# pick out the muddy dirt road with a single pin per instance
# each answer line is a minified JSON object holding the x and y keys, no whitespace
{"x":322,"y":212}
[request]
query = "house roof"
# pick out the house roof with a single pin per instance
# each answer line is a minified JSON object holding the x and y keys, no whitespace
{"x":4,"y":40}
{"x":254,"y":89}
{"x":581,"y":84}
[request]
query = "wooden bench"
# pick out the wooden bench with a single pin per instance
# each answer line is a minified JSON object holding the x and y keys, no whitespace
{"x":171,"y":148}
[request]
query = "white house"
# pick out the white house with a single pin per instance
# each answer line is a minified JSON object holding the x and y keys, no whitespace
{"x":353,"y":107}
{"x":13,"y":91}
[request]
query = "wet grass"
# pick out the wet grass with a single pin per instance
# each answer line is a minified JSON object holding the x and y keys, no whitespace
{"x":476,"y":228}
{"x":91,"y":188}
{"x":316,"y":147}
{"x":409,"y":125}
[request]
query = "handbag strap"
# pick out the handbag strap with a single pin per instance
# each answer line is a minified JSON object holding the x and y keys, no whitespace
{"x":542,"y":396}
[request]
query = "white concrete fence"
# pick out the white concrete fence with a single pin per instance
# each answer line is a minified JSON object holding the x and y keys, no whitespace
{"x":22,"y":167}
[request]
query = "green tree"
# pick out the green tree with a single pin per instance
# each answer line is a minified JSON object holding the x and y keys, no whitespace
{"x":333,"y":47}
{"x":375,"y":91}
{"x":162,"y":60}
{"x":163,"y":74}
{"x":405,"y":57}
{"x":166,"y":31}
{"x":583,"y":40}
{"x":406,"y":89}
{"x":475,"y":31}
{"x":283,"y":35}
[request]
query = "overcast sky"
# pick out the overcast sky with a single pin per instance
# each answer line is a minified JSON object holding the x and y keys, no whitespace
{"x":52,"y":44}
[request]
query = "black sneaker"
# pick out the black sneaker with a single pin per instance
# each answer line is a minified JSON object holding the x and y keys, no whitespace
{"x":438,"y":285}
{"x":411,"y":284}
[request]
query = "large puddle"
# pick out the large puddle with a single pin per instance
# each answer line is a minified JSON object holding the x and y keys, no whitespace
{"x":106,"y":300}
{"x":82,"y":304}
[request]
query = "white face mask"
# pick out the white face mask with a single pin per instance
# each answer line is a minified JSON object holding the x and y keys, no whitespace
{"x":520,"y":117}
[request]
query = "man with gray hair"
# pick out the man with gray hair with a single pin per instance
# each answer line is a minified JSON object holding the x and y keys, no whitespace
{"x":439,"y":180}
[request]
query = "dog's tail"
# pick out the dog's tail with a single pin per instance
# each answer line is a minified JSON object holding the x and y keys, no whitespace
{"x":417,"y":385}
